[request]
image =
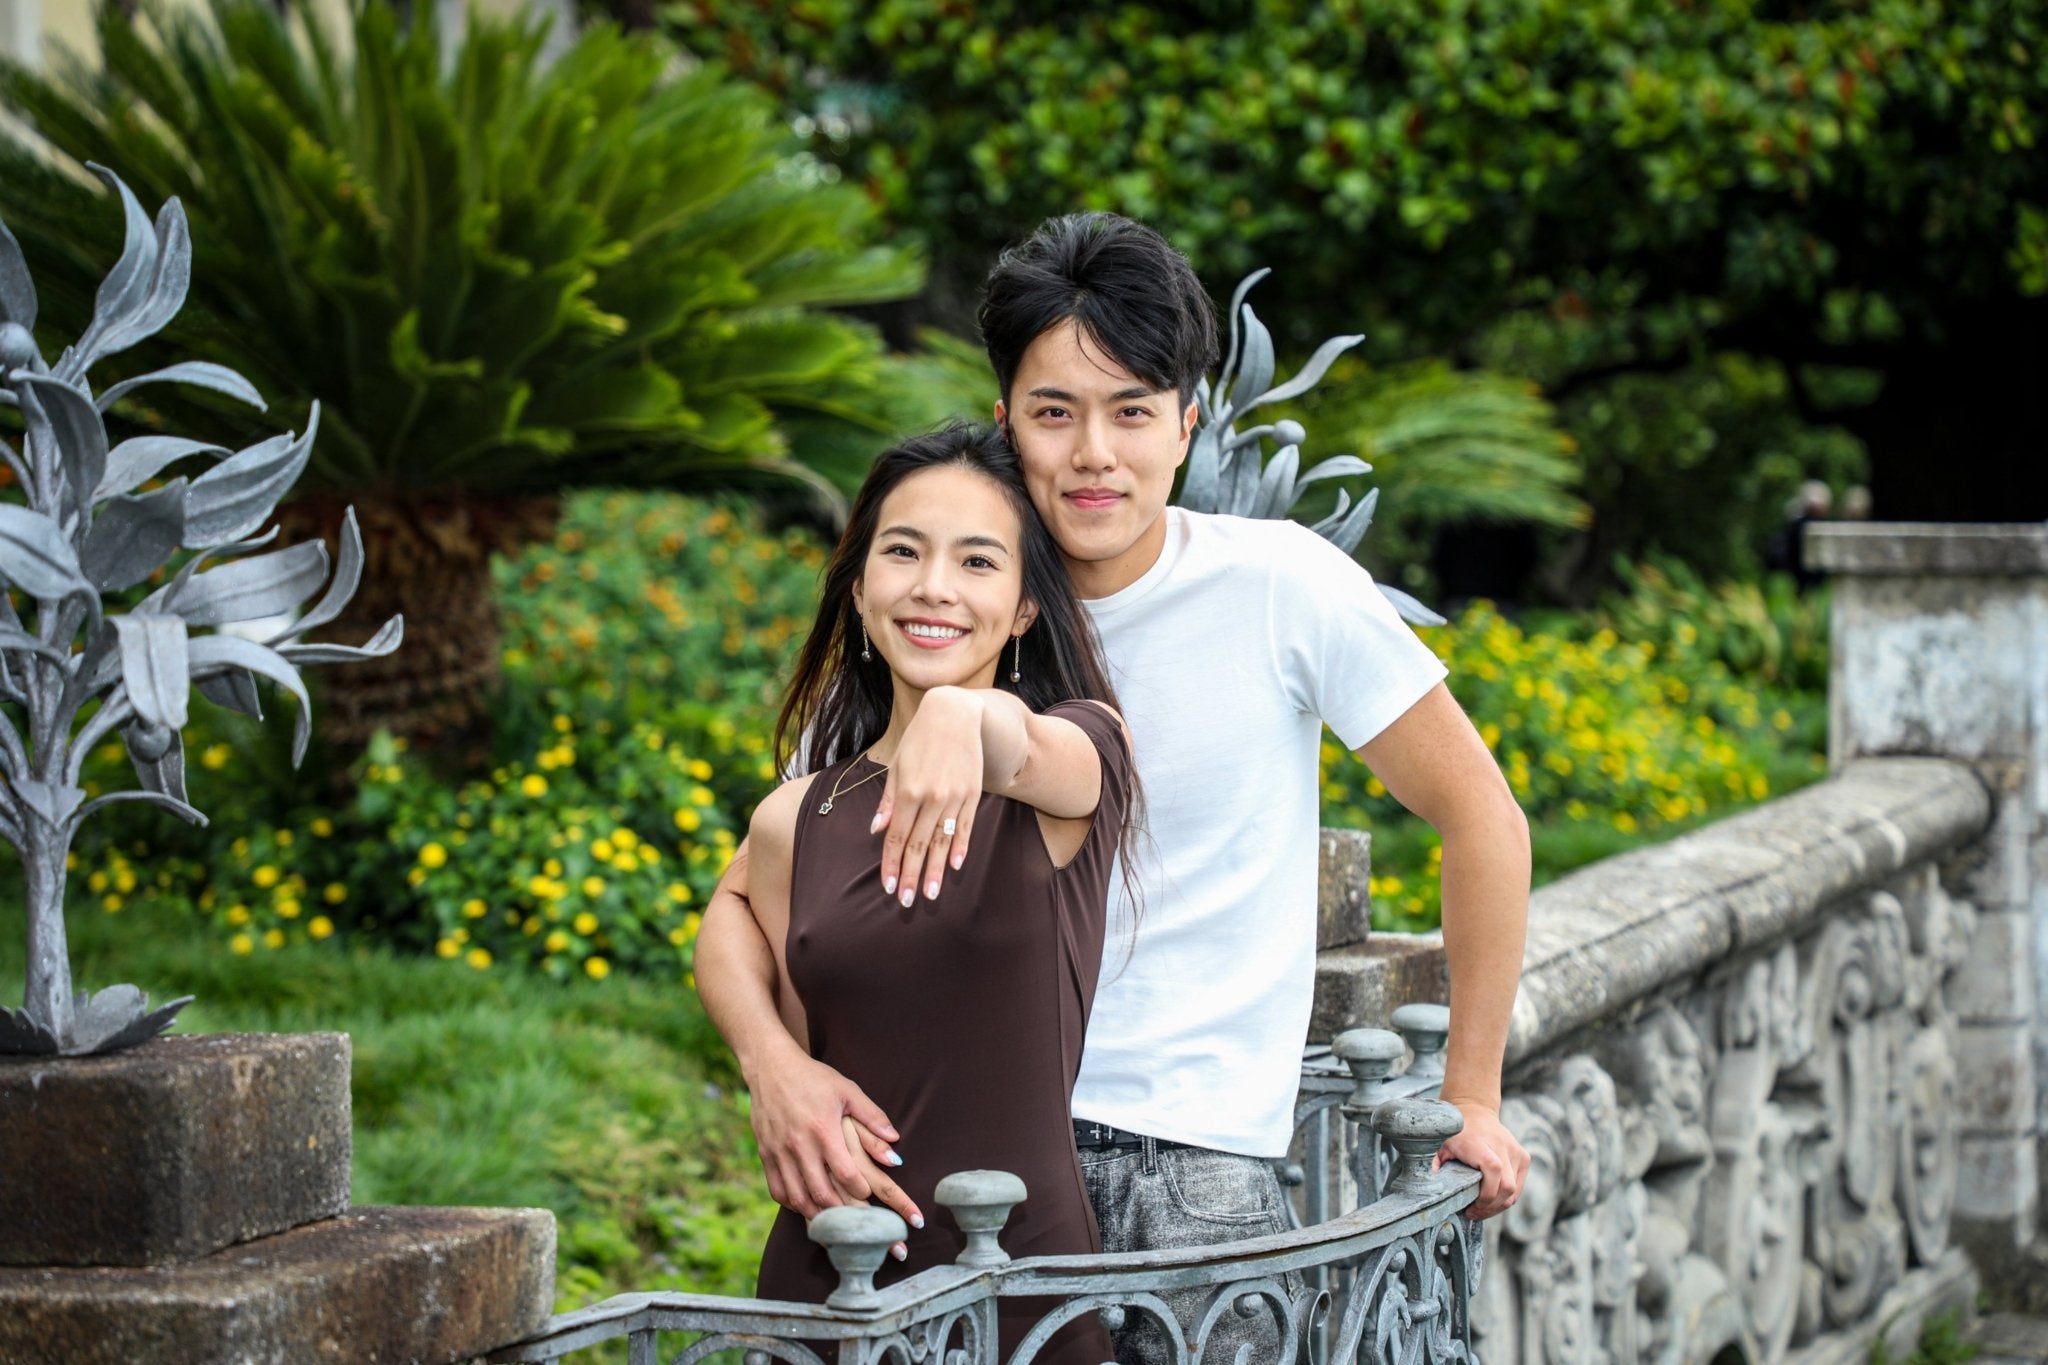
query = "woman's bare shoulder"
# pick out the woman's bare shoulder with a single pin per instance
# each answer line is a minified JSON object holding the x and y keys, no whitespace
{"x":774,"y":822}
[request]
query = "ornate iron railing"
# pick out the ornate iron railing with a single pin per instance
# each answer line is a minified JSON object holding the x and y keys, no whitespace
{"x":1391,"y":1280}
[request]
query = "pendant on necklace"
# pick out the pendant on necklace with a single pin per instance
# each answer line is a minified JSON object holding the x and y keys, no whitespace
{"x":826,"y":809}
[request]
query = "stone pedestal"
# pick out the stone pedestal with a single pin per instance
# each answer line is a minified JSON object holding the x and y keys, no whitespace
{"x":1940,"y":640}
{"x":171,"y":1150}
{"x":372,"y":1286}
{"x":186,"y":1202}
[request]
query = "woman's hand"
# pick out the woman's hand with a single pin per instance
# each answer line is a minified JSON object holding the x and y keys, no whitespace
{"x":936,"y":776}
{"x":879,"y":1185}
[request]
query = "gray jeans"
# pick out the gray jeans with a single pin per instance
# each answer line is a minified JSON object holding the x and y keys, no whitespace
{"x":1148,"y":1200}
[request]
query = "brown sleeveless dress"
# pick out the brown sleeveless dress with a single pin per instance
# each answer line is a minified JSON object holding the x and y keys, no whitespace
{"x":961,"y":1017}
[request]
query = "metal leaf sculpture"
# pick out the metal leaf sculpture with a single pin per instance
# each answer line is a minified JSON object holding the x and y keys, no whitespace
{"x":83,"y":530}
{"x":1228,"y":470}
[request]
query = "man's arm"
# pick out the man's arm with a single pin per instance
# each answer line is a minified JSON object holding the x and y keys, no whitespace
{"x":798,"y":1102}
{"x":1435,"y":764}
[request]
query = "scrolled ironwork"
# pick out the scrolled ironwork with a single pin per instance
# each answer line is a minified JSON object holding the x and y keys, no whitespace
{"x":1397,"y":1273}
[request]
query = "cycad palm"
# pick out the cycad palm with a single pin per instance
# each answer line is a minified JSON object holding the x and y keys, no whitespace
{"x":499,"y":276}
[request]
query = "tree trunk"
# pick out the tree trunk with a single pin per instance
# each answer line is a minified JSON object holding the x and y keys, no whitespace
{"x":429,"y":560}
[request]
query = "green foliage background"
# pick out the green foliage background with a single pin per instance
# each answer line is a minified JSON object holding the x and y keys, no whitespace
{"x":1737,"y":244}
{"x":499,"y":269}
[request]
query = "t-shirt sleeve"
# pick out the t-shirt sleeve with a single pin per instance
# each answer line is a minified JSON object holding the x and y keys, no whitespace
{"x":1114,"y":751}
{"x":1342,"y":652}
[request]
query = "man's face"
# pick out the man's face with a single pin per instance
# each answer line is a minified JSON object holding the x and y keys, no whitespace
{"x":1099,"y":447}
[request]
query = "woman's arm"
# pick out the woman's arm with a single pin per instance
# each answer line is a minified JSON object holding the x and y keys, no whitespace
{"x":771,"y":839}
{"x":965,"y":741}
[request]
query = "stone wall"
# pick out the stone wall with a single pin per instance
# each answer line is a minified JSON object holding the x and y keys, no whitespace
{"x":1781,"y":1078}
{"x":1734,"y":1062}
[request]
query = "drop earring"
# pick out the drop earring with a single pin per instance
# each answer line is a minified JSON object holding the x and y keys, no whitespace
{"x":866,"y":655}
{"x":1017,"y":662}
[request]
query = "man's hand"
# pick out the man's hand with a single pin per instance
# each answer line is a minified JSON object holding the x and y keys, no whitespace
{"x":798,"y":1108}
{"x":935,"y":776}
{"x":1490,"y":1149}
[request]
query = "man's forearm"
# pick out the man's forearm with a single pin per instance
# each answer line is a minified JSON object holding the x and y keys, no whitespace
{"x":1485,"y":919}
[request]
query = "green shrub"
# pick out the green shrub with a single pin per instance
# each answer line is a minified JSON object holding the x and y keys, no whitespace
{"x":646,"y":647}
{"x":1604,"y":742}
{"x":498,"y":267}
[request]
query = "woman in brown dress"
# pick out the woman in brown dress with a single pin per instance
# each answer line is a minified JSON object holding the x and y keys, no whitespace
{"x":957,"y":1004}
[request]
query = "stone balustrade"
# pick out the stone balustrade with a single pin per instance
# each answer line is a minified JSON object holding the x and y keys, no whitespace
{"x":1735,"y":1064}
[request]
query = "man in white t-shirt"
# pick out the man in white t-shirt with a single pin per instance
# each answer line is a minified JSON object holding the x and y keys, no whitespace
{"x":1232,"y":643}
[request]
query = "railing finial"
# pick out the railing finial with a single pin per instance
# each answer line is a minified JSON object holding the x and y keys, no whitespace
{"x":980,"y":1202}
{"x":857,"y":1237}
{"x":1426,"y":1029}
{"x":1416,"y":1128}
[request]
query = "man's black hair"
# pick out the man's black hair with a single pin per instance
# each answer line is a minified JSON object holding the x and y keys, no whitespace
{"x":1132,"y":293}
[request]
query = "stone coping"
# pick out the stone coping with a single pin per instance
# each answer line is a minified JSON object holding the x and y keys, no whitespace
{"x":1614,"y":932}
{"x":1885,"y":549}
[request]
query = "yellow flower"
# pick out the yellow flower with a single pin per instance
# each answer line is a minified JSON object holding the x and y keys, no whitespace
{"x":320,"y":926}
{"x":321,"y":827}
{"x":479,"y":958}
{"x":448,"y":947}
{"x":585,"y":923}
{"x":677,"y":936}
{"x":1624,"y":822}
{"x":557,"y":941}
{"x":553,"y":867}
{"x":335,"y":893}
{"x":285,"y":838}
{"x":625,"y":838}
{"x":625,"y":862}
{"x":533,"y":785}
{"x":264,"y":876}
{"x":216,"y":756}
{"x":679,"y":893}
{"x":288,"y":908}
{"x":593,"y":887}
{"x":649,"y":855}
{"x":698,"y":769}
{"x":415,"y":876}
{"x":433,"y":855}
{"x":113,"y":904}
{"x":273,"y":938}
{"x":238,"y":915}
{"x":596,"y":968}
{"x":688,"y":820}
{"x":242,"y":945}
{"x":474,"y":908}
{"x":563,"y":724}
{"x":701,"y":796}
{"x":96,"y":882}
{"x":601,"y":849}
{"x":530,"y":925}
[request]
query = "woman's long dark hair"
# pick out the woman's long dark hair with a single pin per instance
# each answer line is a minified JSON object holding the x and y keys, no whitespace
{"x":838,"y":704}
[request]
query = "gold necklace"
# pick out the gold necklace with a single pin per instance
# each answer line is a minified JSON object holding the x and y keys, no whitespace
{"x":826,"y":809}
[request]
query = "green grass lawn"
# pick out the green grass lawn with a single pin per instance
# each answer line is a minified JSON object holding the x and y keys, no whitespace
{"x":611,"y":1103}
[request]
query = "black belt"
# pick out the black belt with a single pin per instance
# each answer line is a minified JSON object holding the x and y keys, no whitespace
{"x":1098,"y":1137}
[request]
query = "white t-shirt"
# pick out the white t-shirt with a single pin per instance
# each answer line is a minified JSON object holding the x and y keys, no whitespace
{"x":1229,"y":656}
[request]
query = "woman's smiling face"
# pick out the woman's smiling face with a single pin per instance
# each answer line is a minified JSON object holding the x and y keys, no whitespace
{"x":942,"y":589}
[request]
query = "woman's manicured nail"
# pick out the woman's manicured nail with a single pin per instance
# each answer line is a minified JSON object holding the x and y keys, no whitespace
{"x":917,"y":1220}
{"x":889,"y":885}
{"x":958,"y":858}
{"x":900,"y":1252}
{"x":875,"y":823}
{"x":931,"y":890}
{"x":909,"y":895}
{"x":894,"y":1159}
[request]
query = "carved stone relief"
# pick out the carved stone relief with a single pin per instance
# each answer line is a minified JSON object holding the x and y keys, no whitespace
{"x":1750,"y":1164}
